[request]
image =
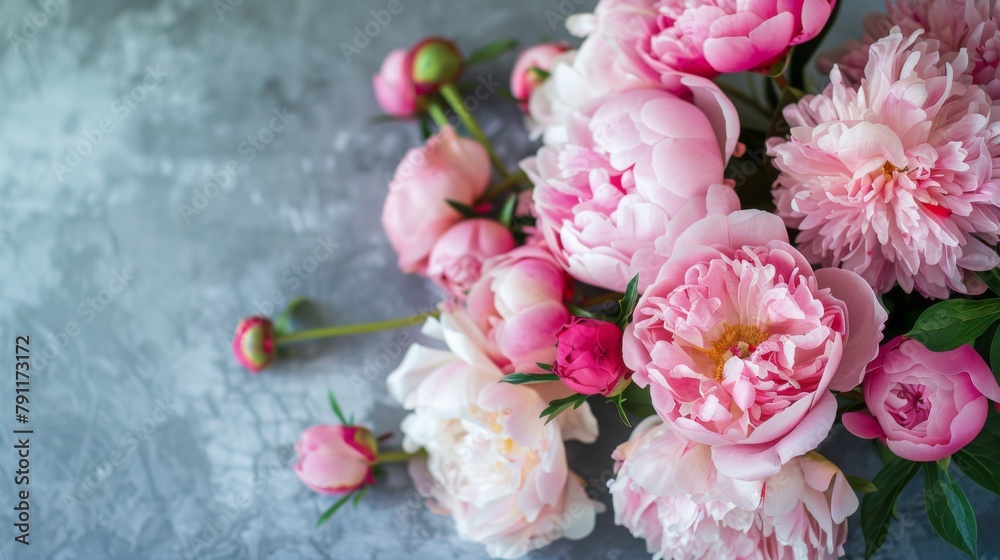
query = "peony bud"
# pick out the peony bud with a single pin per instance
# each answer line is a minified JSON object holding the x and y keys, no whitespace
{"x":531,"y":69}
{"x":253,"y":344}
{"x":393,"y":86}
{"x":589,"y":357}
{"x":456,"y":262}
{"x":336,"y":459}
{"x":434,"y":62}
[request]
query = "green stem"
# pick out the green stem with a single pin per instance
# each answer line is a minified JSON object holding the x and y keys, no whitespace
{"x":747,"y":99}
{"x":454,"y":98}
{"x":781,"y":81}
{"x":399,"y":456}
{"x":437,"y":113}
{"x":501,"y":187}
{"x":341,"y":330}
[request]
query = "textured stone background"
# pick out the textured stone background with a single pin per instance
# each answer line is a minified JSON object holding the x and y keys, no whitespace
{"x":150,"y":442}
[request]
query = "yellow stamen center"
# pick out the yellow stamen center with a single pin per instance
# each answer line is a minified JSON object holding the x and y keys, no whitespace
{"x":737,"y":340}
{"x":889,"y":170}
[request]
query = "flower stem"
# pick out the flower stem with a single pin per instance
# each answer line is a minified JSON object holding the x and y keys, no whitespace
{"x":437,"y":113}
{"x":341,"y":330}
{"x":781,"y":81}
{"x":399,"y":456}
{"x":454,"y":98}
{"x":510,"y":181}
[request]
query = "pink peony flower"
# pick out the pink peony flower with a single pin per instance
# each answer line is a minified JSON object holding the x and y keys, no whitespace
{"x":741,"y":342}
{"x":394,"y":89}
{"x":667,"y":492}
{"x":589,"y":357}
{"x":530,"y":69}
{"x":457,"y":258}
{"x":492,"y":464}
{"x":253,"y":344}
{"x":575,"y":79}
{"x":518,"y":305}
{"x":706,"y":37}
{"x":336,"y":459}
{"x":973,"y":25}
{"x":924,"y":405}
{"x":897,"y":180}
{"x":416,"y":214}
{"x":637,"y":168}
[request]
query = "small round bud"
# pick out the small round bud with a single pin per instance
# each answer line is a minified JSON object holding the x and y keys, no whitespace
{"x":253,"y":344}
{"x":434,"y":62}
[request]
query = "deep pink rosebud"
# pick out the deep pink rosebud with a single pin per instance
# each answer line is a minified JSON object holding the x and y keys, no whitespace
{"x":394,"y":87}
{"x":336,"y":459}
{"x":924,"y":405}
{"x":531,"y":68}
{"x":456,"y":261}
{"x":253,"y":344}
{"x":589,"y":357}
{"x":434,"y":62}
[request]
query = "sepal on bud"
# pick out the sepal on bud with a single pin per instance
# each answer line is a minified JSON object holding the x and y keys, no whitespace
{"x":434,"y":62}
{"x":253,"y":344}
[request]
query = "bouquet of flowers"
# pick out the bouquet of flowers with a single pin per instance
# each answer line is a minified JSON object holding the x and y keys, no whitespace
{"x":736,"y":272}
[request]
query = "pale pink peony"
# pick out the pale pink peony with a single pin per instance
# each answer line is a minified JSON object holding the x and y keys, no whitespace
{"x":518,"y":305}
{"x":741,"y":342}
{"x":924,"y":405}
{"x":636,"y":169}
{"x":393,"y":86}
{"x":336,"y":459}
{"x":416,"y":213}
{"x":530,"y":69}
{"x":898,"y":180}
{"x":493,"y":465}
{"x":973,"y":25}
{"x":576,"y":78}
{"x":667,"y":492}
{"x":457,"y":259}
{"x":706,"y":37}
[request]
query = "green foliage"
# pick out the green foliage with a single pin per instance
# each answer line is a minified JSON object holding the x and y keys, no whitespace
{"x":528,"y":378}
{"x":490,"y":51}
{"x":949,"y":510}
{"x":559,"y":405}
{"x":954,"y":322}
{"x":877,"y":507}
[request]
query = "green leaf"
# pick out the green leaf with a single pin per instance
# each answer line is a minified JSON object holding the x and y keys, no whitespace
{"x":425,"y":127}
{"x":948,"y":510}
{"x":952,"y":323}
{"x":876,"y":508}
{"x":992,"y":279}
{"x":580,"y":312}
{"x":540,"y":73}
{"x":546,"y":367}
{"x":333,"y":509}
{"x":507,"y":212}
{"x":618,"y":400}
{"x":979,"y":460}
{"x":778,"y":126}
{"x":490,"y":51}
{"x":282,"y":325}
{"x":638,"y":401}
{"x":627,"y":303}
{"x":336,"y":409}
{"x":861,"y":485}
{"x":464,"y":209}
{"x":995,"y":355}
{"x":559,"y":405}
{"x":358,"y":496}
{"x":528,"y":378}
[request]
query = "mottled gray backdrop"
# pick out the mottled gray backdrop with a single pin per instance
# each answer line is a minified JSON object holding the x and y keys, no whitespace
{"x":150,"y":442}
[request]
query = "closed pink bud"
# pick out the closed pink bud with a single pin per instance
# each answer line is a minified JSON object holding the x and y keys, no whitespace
{"x":531,"y":69}
{"x":416,"y":212}
{"x":336,"y":459}
{"x":394,"y":87}
{"x":589,"y":357}
{"x":456,"y":260}
{"x":253,"y":343}
{"x":924,"y":405}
